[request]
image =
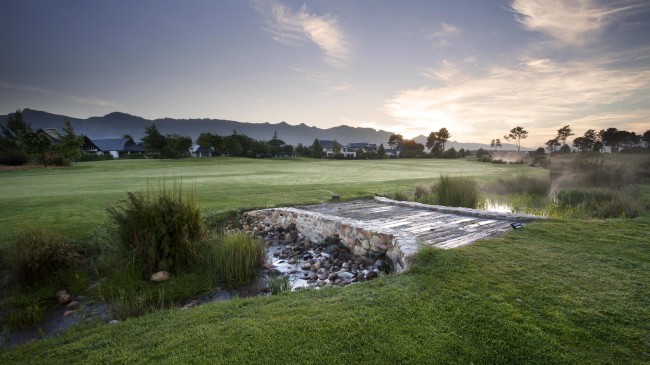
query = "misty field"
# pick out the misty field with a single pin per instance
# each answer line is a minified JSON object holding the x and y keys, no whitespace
{"x":72,"y":200}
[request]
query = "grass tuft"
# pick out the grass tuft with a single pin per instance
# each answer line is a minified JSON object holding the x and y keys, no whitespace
{"x":237,"y":258}
{"x":160,"y":228}
{"x":457,"y":191}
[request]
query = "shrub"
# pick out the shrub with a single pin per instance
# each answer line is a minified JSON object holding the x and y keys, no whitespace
{"x":160,"y":229}
{"x":401,"y":196}
{"x":597,"y":172}
{"x":421,"y":190}
{"x":38,"y":254}
{"x":457,"y":192}
{"x":603,"y":203}
{"x":279,"y":284}
{"x":523,"y":184}
{"x":237,"y":258}
{"x":13,"y":158}
{"x":57,"y":160}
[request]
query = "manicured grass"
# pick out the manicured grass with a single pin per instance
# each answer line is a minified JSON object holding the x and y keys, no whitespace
{"x":552,"y":292}
{"x":73,"y":199}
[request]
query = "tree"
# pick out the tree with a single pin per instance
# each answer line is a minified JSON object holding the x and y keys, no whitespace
{"x":153,"y":140}
{"x":552,"y":145}
{"x":127,"y":136}
{"x":443,"y":137}
{"x":516,"y":135}
{"x":646,"y":138}
{"x":12,"y":130}
{"x":410,"y":148}
{"x":496,"y":143}
{"x":316,"y":150}
{"x":71,"y":143}
{"x":336,"y":147}
{"x":232,"y":147}
{"x":176,"y":146}
{"x":610,"y":138}
{"x":586,"y":142}
{"x":395,"y":141}
{"x":381,"y":152}
{"x":433,"y":143}
{"x":565,"y":149}
{"x":37,"y":143}
{"x":564,"y":133}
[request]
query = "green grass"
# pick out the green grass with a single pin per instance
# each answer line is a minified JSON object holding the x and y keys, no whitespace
{"x":557,"y":291}
{"x":73,"y":199}
{"x":553,"y":292}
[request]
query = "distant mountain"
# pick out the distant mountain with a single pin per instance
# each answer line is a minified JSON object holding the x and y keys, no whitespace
{"x":116,"y":124}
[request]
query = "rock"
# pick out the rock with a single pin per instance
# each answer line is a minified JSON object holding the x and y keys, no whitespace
{"x":288,"y":238}
{"x":159,"y":276}
{"x":68,"y":313}
{"x":306,"y":266}
{"x":115,"y":321}
{"x":292,"y":262}
{"x":320,"y":283}
{"x":191,"y":304}
{"x":323,"y":276}
{"x":72,"y":305}
{"x":333,"y":276}
{"x":345,"y":275}
{"x":64,"y":298}
{"x":268,"y":266}
{"x":315,"y":266}
{"x":313,"y":276}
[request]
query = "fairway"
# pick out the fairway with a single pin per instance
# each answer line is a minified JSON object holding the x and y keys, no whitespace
{"x":73,"y":199}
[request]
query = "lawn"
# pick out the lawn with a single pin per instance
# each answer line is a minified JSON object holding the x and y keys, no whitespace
{"x":553,"y":292}
{"x":556,"y":291}
{"x":73,"y":199}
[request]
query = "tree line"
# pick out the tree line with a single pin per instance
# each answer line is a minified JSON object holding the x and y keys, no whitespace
{"x":19,"y":142}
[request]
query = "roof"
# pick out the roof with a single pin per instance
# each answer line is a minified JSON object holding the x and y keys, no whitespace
{"x":361,"y":145}
{"x":326,"y":144}
{"x":117,"y":144}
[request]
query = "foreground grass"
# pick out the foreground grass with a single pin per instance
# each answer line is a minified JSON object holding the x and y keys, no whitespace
{"x":73,"y":199}
{"x":553,"y":292}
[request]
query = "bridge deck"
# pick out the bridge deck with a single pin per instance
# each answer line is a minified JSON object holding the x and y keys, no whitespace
{"x":430,"y":227}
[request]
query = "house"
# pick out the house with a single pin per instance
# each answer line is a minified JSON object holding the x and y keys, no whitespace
{"x":200,"y":151}
{"x":117,"y":147}
{"x":87,"y":147}
{"x":328,"y":149}
{"x":362,"y":147}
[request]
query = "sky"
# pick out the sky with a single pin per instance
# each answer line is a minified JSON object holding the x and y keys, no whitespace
{"x":477,"y":68}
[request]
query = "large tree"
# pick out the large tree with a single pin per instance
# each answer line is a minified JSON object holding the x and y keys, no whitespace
{"x":37,"y":143}
{"x":316,"y":149}
{"x":153,"y":140}
{"x":12,"y":130}
{"x":496,"y":143}
{"x":586,"y":142}
{"x":395,"y":141}
{"x":71,"y":143}
{"x":436,"y":141}
{"x":564,"y":133}
{"x":516,"y":135}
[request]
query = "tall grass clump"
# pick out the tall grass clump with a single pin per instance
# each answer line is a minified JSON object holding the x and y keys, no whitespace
{"x":523,"y":184}
{"x":421,"y":191}
{"x":596,"y":171}
{"x":457,"y":191}
{"x":237,"y":258}
{"x":279,"y":284}
{"x":603,"y":203}
{"x":402,"y":196}
{"x":38,"y":255}
{"x":160,"y":229}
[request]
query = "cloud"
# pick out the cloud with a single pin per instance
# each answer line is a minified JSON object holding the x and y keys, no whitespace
{"x":331,"y":86}
{"x":571,"y":21}
{"x":77,"y":99}
{"x":294,"y":28}
{"x":440,"y":35}
{"x":539,"y":94}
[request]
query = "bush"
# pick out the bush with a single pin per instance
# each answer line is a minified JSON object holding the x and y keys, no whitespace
{"x":457,"y":192}
{"x":237,"y":258}
{"x":57,"y":160}
{"x":597,"y":172}
{"x":93,"y":157}
{"x":13,"y":158}
{"x":279,"y":284}
{"x":38,"y":254}
{"x":603,"y":203}
{"x":421,"y":190}
{"x":160,"y":229}
{"x":401,"y":196}
{"x":523,"y":184}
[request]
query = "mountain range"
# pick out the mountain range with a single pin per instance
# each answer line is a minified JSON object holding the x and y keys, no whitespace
{"x":117,"y":124}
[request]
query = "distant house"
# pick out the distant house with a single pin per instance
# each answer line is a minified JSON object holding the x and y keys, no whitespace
{"x":391,"y":152}
{"x":328,"y":149}
{"x":55,"y":137}
{"x":200,"y":151}
{"x":362,"y":147}
{"x":117,"y":147}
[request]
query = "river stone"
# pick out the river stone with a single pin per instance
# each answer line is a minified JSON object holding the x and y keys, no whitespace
{"x":72,"y":305}
{"x":68,"y":313}
{"x":345,"y":275}
{"x":159,"y":276}
{"x":306,"y":266}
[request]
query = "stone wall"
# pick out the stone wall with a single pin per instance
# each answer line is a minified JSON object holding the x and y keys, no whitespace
{"x":360,"y":238}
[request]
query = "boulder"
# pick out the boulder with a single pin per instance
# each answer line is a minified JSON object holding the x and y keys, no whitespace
{"x":159,"y":276}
